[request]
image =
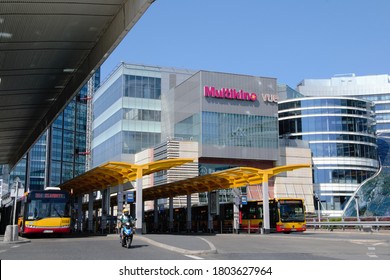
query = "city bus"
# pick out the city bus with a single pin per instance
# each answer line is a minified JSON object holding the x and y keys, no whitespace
{"x":45,"y":212}
{"x":286,"y":215}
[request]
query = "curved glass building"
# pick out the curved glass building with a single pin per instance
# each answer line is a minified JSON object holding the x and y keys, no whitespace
{"x":341,"y":135}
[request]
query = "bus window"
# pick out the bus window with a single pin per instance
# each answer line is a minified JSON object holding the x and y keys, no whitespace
{"x":252,"y":211}
{"x":291,"y":211}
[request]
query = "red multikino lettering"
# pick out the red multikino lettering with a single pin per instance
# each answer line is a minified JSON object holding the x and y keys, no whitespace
{"x":229,"y":93}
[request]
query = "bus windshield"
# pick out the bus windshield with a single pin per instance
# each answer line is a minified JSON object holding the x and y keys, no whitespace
{"x":291,"y":211}
{"x":43,"y":205}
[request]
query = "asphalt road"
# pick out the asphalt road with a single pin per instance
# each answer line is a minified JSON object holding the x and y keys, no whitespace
{"x":311,"y":245}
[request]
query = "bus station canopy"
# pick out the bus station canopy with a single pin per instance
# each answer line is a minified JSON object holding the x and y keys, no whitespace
{"x":112,"y":174}
{"x":115,"y":173}
{"x":226,"y":179}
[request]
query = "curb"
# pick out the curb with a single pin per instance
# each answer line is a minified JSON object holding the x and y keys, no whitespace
{"x":20,"y":241}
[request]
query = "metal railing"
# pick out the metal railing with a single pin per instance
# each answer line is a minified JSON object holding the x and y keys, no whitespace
{"x":364,"y":224}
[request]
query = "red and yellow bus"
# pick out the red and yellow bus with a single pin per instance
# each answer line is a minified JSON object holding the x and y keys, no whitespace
{"x":286,"y":215}
{"x":45,"y":212}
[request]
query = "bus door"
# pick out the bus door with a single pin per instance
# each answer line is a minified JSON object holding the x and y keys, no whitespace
{"x":273,"y":213}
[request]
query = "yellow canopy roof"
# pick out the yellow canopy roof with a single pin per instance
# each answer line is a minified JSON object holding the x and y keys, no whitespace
{"x":114,"y":173}
{"x":230,"y":178}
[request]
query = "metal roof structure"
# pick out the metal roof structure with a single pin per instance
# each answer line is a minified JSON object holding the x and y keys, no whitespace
{"x":114,"y":173}
{"x":226,"y":179}
{"x":48,"y":50}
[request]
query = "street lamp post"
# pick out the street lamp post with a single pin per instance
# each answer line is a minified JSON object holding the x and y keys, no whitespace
{"x":17,"y":185}
{"x":318,"y":206}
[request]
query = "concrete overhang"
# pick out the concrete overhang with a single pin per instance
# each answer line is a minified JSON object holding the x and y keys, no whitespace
{"x":48,"y":50}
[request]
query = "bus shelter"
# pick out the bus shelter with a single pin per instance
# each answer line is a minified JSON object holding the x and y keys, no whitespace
{"x":119,"y":173}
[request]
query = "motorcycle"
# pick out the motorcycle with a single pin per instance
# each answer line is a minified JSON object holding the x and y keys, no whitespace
{"x":127,"y":235}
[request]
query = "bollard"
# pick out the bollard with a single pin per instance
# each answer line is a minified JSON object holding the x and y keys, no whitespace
{"x":11,"y":233}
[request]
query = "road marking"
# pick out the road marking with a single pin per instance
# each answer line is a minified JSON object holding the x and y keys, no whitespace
{"x":194,"y":257}
{"x":380,"y":243}
{"x":366,"y":242}
{"x":3,"y":251}
{"x":371,"y":254}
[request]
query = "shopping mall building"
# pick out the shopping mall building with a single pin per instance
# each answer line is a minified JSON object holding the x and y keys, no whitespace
{"x":148,"y":113}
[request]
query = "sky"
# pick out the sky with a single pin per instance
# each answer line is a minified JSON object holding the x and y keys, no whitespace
{"x":290,"y":40}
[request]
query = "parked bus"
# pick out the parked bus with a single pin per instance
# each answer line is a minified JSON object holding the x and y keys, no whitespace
{"x":45,"y":212}
{"x":286,"y":215}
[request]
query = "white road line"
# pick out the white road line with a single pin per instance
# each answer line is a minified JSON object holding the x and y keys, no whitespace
{"x":372,"y":253}
{"x":194,"y":257}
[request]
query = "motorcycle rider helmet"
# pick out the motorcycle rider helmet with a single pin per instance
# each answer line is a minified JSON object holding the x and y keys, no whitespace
{"x":125,"y":211}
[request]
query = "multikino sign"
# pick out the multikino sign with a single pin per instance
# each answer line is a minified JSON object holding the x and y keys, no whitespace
{"x":229,"y":93}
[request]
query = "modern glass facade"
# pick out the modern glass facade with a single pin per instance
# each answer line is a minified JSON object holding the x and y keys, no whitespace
{"x":374,"y":88}
{"x":230,"y":130}
{"x":127,"y":111}
{"x":214,"y":109}
{"x":341,"y":135}
{"x":59,"y":154}
{"x":139,"y":107}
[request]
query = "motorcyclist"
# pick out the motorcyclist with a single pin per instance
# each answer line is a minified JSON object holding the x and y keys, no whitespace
{"x":123,"y":219}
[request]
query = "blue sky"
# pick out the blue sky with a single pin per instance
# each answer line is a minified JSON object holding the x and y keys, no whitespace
{"x":290,"y":40}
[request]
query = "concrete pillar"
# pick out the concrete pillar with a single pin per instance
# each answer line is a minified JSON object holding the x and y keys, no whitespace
{"x":189,"y":213}
{"x":120,"y":200}
{"x":155,"y":216}
{"x":105,"y":209}
{"x":210,"y":227}
{"x":139,"y":203}
{"x":236,"y":217}
{"x":91,"y":199}
{"x":80,"y":213}
{"x":171,"y":214}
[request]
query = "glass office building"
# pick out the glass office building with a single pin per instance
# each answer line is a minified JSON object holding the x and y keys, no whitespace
{"x":375,"y":88}
{"x":60,"y":153}
{"x":232,"y":117}
{"x":127,"y":111}
{"x":341,"y":135}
